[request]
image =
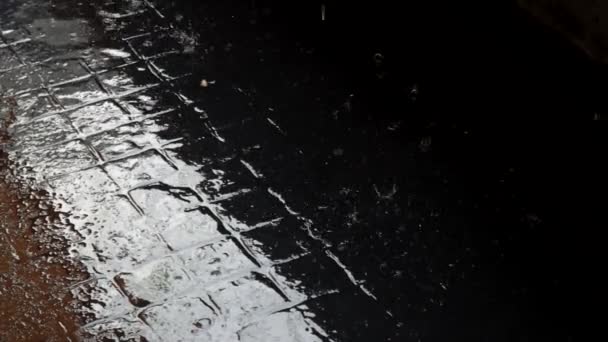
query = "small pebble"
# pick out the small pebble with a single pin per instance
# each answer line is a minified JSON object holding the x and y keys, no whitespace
{"x":205,"y":83}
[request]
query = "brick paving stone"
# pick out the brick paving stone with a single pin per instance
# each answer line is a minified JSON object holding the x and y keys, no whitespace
{"x":215,"y":261}
{"x":186,"y":319}
{"x":61,"y":70}
{"x":122,"y":248}
{"x":312,"y":276}
{"x":139,"y":169}
{"x":154,"y":282}
{"x":286,"y":326}
{"x":160,"y":199}
{"x":171,"y":66}
{"x":107,"y":56}
{"x":123,"y":22}
{"x":247,"y":210}
{"x":352,"y":316}
{"x":78,"y":93}
{"x":50,"y":130}
{"x":150,"y":101}
{"x":165,"y":185}
{"x":15,"y":35}
{"x":87,"y":186}
{"x":189,"y":229}
{"x":156,"y":43}
{"x":35,"y":51}
{"x":8,"y":60}
{"x":225,"y":178}
{"x":246,"y":299}
{"x":279,"y":241}
{"x":100,"y":299}
{"x":34,"y":104}
{"x":49,"y":162}
{"x":115,"y":9}
{"x":123,"y":140}
{"x":129,"y":78}
{"x":20,"y":79}
{"x":119,"y":329}
{"x":98,"y":117}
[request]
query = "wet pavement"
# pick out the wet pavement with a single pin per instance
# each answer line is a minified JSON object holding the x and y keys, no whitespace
{"x":193,"y":173}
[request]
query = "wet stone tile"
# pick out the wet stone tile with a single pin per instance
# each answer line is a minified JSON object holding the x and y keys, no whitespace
{"x":6,"y":111}
{"x":223,"y":174}
{"x":245,"y":211}
{"x":128,"y":78}
{"x":281,"y":240}
{"x":175,"y":125}
{"x":89,"y":196}
{"x":60,"y":70}
{"x":15,"y":35}
{"x":79,"y":93}
{"x":311,"y":276}
{"x":116,"y":9}
{"x":85,"y":186}
{"x":114,"y":237}
{"x":351,"y":316}
{"x":36,"y":51}
{"x":148,"y":46}
{"x":215,"y":261}
{"x":160,"y":200}
{"x":187,"y":229}
{"x":217,"y":159}
{"x":108,"y":56}
{"x":226,"y":107}
{"x":151,"y":101}
{"x":98,"y":117}
{"x":191,"y":92}
{"x":269,"y":141}
{"x":246,"y":299}
{"x":99,"y":299}
{"x":186,"y":177}
{"x":31,"y":105}
{"x":133,"y":171}
{"x":123,"y":25}
{"x":59,"y":160}
{"x":176,"y":65}
{"x":123,"y":247}
{"x":21,"y":79}
{"x":8,"y":60}
{"x":43,"y":132}
{"x":153,"y":282}
{"x":124,"y":139}
{"x":285,"y":326}
{"x":59,"y":35}
{"x":119,"y":329}
{"x":186,"y":319}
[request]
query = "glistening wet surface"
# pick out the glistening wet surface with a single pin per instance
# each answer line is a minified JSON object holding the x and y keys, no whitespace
{"x":174,"y":248}
{"x":189,"y":172}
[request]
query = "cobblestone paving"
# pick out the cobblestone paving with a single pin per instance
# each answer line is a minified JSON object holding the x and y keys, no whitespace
{"x":183,"y":236}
